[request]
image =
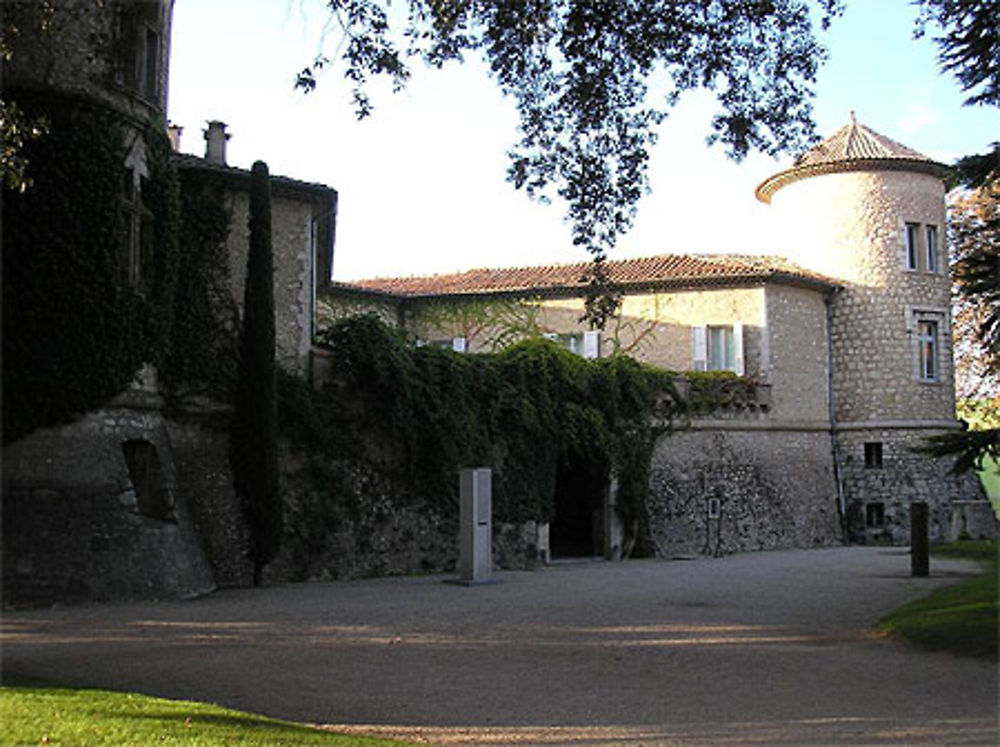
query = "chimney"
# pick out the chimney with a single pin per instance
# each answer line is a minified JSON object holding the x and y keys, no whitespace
{"x":215,"y":142}
{"x":174,"y":133}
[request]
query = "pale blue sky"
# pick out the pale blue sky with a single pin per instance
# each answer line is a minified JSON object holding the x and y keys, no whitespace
{"x":422,"y":181}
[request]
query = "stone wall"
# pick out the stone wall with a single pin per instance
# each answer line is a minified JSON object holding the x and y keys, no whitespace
{"x":291,"y":238}
{"x":796,"y":355}
{"x":974,"y":520}
{"x":878,"y":490}
{"x":731,"y":487}
{"x":92,"y":510}
{"x":852,"y":226}
{"x":74,"y":52}
{"x":200,"y":445}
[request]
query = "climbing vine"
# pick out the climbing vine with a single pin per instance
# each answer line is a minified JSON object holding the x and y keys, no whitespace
{"x":203,"y":351}
{"x":419,"y":414}
{"x":74,"y":334}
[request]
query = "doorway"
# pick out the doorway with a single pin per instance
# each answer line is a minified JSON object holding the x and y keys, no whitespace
{"x":577,"y":531}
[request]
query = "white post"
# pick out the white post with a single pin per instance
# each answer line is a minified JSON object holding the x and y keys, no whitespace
{"x":475,"y":539}
{"x":614,"y":532}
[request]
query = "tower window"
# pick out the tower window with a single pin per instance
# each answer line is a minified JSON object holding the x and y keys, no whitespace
{"x":875,"y":514}
{"x":873,"y":454}
{"x":927,"y":350}
{"x":931,"y":246}
{"x":912,"y":250}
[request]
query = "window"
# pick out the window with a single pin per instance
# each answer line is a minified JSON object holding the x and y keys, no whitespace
{"x":921,"y":247}
{"x":458,"y":344}
{"x":586,"y":344}
{"x":912,"y":250}
{"x":927,"y":355}
{"x":138,"y":49}
{"x":873,"y":454}
{"x":931,"y":245}
{"x":136,"y":240}
{"x":143,"y":465}
{"x":718,"y":348}
{"x":875,"y":514}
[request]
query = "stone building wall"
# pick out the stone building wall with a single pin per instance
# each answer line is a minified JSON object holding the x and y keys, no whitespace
{"x":652,"y":327}
{"x":732,"y":487}
{"x":852,"y":226}
{"x":796,"y":356}
{"x":82,"y":523}
{"x":291,"y":239}
{"x":878,"y":491}
{"x":75,"y":52}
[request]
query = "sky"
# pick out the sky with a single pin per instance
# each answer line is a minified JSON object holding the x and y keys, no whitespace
{"x":422,"y":182}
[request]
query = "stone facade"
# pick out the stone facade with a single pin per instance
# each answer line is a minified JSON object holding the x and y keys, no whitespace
{"x":92,"y":511}
{"x":882,"y":475}
{"x":293,"y":242}
{"x":880,"y":230}
{"x":723,"y":487}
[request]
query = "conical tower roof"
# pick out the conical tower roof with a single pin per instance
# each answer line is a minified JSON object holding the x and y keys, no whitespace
{"x":853,"y":147}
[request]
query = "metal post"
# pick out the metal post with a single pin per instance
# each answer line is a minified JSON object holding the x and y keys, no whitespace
{"x":919,"y":541}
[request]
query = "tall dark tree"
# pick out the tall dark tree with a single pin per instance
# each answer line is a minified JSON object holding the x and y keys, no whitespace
{"x":254,"y":452}
{"x":969,"y":44}
{"x":969,"y":48}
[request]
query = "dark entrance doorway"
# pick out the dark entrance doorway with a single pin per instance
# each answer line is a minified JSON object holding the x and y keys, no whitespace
{"x":577,"y":531}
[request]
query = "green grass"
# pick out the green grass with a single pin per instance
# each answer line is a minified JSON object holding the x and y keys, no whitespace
{"x":32,"y":714}
{"x":961,"y":619}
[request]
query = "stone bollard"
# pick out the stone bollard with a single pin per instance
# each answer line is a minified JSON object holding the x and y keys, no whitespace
{"x":475,"y":521}
{"x":919,"y":543}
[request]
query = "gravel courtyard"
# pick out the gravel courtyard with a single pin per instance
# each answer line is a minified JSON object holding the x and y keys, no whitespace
{"x":755,"y":648}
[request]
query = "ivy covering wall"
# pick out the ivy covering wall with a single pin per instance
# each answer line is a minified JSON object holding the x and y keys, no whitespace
{"x":74,"y":335}
{"x":417,"y":415}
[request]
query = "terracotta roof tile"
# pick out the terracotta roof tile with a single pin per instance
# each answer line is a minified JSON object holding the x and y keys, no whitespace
{"x":854,"y":147}
{"x":668,"y":270}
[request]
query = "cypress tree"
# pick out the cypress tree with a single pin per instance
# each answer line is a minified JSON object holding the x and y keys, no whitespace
{"x":254,"y":452}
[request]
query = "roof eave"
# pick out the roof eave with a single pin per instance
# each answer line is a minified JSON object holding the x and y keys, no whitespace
{"x":766,"y":189}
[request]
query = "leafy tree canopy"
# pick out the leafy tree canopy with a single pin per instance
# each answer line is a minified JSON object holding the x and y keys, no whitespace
{"x":592,"y":79}
{"x":970,"y":44}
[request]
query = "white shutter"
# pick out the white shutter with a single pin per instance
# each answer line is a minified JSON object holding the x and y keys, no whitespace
{"x":592,"y":344}
{"x":550,"y":336}
{"x":738,"y":348}
{"x":458,"y":344}
{"x":699,"y":346}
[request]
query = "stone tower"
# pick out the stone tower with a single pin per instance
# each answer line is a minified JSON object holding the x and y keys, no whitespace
{"x":870,"y":213}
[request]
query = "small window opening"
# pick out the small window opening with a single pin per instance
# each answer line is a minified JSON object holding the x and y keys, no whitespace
{"x":873,"y":454}
{"x":714,"y":508}
{"x":932,"y":248}
{"x":912,"y":249}
{"x":875,"y":514}
{"x":927,"y":332}
{"x":143,"y":464}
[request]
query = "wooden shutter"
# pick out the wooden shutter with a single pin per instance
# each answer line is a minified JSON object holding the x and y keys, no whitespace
{"x":738,"y":348}
{"x":592,"y":344}
{"x":699,"y":347}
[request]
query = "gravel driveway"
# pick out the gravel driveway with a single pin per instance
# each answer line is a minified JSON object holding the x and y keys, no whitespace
{"x":756,"y":648}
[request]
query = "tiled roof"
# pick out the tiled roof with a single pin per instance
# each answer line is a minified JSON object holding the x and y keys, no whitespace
{"x":854,"y":147}
{"x":664,"y":271}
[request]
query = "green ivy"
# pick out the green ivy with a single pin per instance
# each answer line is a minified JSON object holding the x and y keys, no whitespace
{"x":203,"y":350}
{"x":73,"y":336}
{"x":419,"y":414}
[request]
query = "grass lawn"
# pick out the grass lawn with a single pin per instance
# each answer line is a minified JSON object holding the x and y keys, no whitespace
{"x":32,"y":713}
{"x":961,"y":619}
